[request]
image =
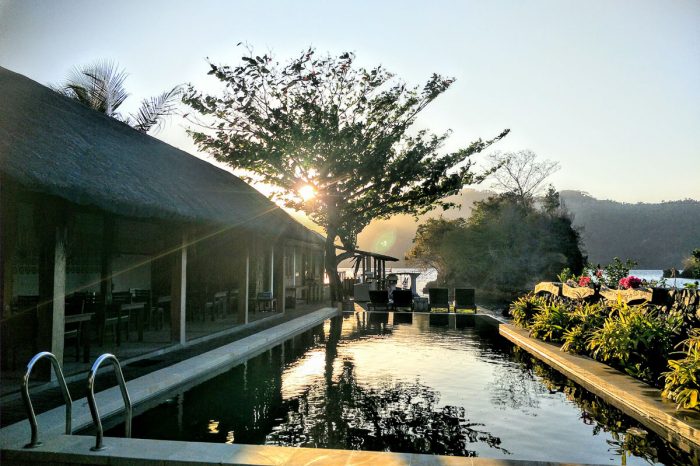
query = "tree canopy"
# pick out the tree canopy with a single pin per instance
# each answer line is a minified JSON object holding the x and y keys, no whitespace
{"x":520,"y":174}
{"x":507,"y":244}
{"x":322,"y":123}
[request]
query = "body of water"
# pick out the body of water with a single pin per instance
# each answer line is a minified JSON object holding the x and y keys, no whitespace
{"x":405,"y":383}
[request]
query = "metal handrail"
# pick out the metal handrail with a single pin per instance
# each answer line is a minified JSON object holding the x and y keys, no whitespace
{"x":91,"y":398}
{"x":28,"y":402}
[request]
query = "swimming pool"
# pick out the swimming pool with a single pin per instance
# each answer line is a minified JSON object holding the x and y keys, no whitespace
{"x":413,"y":383}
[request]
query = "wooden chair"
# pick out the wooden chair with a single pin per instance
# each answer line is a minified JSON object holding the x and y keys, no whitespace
{"x":402,"y":299}
{"x":111,"y":316}
{"x":232,"y":302}
{"x":378,"y":299}
{"x":265,"y":302}
{"x":465,"y":298}
{"x":139,"y":295}
{"x":162,"y":310}
{"x":438,"y":299}
{"x":220,"y":304}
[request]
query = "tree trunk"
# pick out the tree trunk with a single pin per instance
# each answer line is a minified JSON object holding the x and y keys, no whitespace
{"x":332,"y":266}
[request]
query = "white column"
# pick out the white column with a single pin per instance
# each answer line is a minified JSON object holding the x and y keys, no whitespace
{"x":272,"y":270}
{"x":183,"y":291}
{"x":294,"y":272}
{"x":247,"y":283}
{"x":178,"y":294}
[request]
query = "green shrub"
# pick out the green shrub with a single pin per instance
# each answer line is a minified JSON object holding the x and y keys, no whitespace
{"x":635,"y":339}
{"x":683,"y":380}
{"x":524,"y":309}
{"x":550,"y":323}
{"x":613,"y":273}
{"x":584,"y":320}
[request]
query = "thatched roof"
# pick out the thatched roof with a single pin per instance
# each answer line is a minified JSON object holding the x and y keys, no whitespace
{"x":55,"y":145}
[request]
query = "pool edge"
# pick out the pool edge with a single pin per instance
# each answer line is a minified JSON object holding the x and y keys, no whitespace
{"x":635,"y":398}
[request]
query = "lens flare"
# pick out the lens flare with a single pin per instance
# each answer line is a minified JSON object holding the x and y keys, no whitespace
{"x":307,"y":192}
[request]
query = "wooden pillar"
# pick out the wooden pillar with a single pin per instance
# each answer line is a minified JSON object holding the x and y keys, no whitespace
{"x":8,"y":245}
{"x":242,"y":273}
{"x":278,"y":275}
{"x":294,"y":268}
{"x":108,"y":238}
{"x":272,"y":270}
{"x":51,"y":310}
{"x":178,"y":295}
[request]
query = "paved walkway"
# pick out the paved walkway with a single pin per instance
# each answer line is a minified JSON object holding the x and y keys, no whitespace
{"x":12,"y":411}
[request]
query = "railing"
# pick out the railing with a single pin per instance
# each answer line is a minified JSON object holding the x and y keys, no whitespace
{"x":28,"y":402}
{"x":91,"y":399}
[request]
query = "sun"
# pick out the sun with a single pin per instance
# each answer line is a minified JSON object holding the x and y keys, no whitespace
{"x":307,"y":192}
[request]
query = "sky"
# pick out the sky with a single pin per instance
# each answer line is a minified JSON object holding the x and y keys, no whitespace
{"x":610,"y":89}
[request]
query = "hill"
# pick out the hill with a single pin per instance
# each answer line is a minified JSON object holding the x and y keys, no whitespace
{"x":657,"y":236}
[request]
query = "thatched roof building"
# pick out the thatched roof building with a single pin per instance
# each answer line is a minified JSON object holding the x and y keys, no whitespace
{"x":54,"y":145}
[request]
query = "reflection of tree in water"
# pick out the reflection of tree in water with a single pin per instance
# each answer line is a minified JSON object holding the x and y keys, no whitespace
{"x":605,"y":418}
{"x":401,"y":416}
{"x":516,"y":388}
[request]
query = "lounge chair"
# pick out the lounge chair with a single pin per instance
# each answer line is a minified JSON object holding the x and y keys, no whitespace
{"x":402,"y":299}
{"x":378,"y":298}
{"x":465,"y":299}
{"x":438,"y":299}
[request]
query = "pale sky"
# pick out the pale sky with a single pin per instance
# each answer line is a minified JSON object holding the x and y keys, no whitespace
{"x":610,"y":89}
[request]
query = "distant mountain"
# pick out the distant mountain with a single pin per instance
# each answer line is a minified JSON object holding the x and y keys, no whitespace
{"x":657,"y":236}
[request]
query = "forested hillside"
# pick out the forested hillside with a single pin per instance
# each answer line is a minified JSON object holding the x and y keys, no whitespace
{"x":657,"y":236}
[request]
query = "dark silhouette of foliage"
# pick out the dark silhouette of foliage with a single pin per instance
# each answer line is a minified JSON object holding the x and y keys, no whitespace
{"x":506,"y":244}
{"x":324,"y":123}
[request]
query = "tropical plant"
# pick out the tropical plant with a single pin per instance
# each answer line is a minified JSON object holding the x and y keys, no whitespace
{"x":565,"y":275}
{"x":613,"y":273}
{"x":524,"y":309}
{"x":100,"y":86}
{"x":585,"y":319}
{"x":682,"y":383}
{"x":636,"y":339}
{"x":345,"y":132}
{"x":550,"y":323}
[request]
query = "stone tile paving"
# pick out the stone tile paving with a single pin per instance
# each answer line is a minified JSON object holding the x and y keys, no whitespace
{"x":12,"y":411}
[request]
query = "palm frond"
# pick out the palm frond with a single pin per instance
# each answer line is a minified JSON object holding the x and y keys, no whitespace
{"x":99,"y":85}
{"x":154,"y":110}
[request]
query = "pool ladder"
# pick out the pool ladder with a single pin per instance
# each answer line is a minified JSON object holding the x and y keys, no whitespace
{"x":110,"y":358}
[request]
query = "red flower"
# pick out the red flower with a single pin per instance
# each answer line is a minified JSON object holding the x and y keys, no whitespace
{"x":584,"y":281}
{"x":599,"y":273}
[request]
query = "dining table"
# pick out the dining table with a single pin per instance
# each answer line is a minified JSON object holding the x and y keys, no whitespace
{"x":85,"y":321}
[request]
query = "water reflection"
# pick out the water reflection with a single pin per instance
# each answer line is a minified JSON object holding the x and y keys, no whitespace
{"x":408,"y":385}
{"x":393,"y":416}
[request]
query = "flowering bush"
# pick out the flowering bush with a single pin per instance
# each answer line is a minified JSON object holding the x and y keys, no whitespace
{"x":630,"y":282}
{"x":584,"y":281}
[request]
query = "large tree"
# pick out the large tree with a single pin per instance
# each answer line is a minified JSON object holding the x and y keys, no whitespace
{"x":506,"y":244}
{"x":322,"y":123}
{"x":100,"y":86}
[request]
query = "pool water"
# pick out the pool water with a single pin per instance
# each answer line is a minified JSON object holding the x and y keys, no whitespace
{"x":399,"y":382}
